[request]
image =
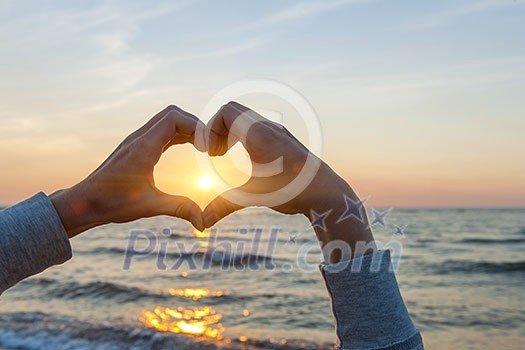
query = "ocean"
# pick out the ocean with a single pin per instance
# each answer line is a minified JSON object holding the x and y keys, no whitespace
{"x":461,"y":273}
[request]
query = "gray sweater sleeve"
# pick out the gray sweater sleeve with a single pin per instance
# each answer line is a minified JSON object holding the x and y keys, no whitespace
{"x":368,"y":310}
{"x":32,"y":238}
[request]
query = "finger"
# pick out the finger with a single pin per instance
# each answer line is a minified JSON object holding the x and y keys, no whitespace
{"x":219,"y":208}
{"x":180,"y":207}
{"x":197,"y":131}
{"x":139,"y":132}
{"x":176,"y":127}
{"x":196,"y":138}
{"x":220,"y":132}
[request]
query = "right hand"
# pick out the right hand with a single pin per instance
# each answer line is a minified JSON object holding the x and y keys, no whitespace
{"x":266,"y":142}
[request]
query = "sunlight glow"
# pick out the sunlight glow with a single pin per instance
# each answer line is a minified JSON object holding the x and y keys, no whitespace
{"x":205,"y":182}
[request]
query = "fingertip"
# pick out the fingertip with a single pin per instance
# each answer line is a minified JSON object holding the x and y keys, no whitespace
{"x":199,"y":137}
{"x":210,"y":218}
{"x":183,"y":208}
{"x":217,"y":149}
{"x":213,"y":143}
{"x":198,"y":222}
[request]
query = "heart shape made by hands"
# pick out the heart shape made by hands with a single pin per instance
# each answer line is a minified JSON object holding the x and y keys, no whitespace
{"x":285,"y":175}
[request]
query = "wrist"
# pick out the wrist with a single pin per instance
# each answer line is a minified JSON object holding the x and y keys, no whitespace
{"x":328,"y":192}
{"x":76,"y":211}
{"x":339,"y":216}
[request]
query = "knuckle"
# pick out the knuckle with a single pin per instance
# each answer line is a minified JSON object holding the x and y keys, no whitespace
{"x":260,"y":136}
{"x":172,"y":112}
{"x":233,"y":105}
{"x":225,"y":107}
{"x":181,"y":208}
{"x":170,"y":116}
{"x":265,"y":130}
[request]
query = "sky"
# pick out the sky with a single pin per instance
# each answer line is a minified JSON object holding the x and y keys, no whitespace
{"x":420,"y":103}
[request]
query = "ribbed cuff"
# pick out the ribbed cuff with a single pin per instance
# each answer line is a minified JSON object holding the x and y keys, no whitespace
{"x":367,"y":306}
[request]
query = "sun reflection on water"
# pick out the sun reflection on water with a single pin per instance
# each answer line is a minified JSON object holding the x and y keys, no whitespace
{"x":202,"y":321}
{"x":194,"y":321}
{"x":201,"y":234}
{"x":195,"y":293}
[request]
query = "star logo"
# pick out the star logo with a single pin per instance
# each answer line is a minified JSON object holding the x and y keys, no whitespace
{"x":400,"y":230}
{"x":292,"y":237}
{"x":354,"y":208}
{"x":379,"y":217}
{"x":319,"y":220}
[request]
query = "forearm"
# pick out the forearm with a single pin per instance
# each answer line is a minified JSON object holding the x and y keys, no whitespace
{"x":32,"y":238}
{"x":337,"y":225}
{"x":368,"y":309}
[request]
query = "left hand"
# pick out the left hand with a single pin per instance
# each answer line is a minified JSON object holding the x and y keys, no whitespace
{"x":122,"y":189}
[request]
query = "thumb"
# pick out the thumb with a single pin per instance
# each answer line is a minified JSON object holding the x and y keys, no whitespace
{"x":180,"y":207}
{"x":219,"y":208}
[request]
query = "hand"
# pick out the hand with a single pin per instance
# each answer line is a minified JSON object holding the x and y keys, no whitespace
{"x":279,"y":159}
{"x":122,"y":189}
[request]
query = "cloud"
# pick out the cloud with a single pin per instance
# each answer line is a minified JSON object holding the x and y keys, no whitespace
{"x":298,"y":11}
{"x":463,"y":74}
{"x":462,"y":10}
{"x":74,"y":56}
{"x":22,"y":26}
{"x":224,"y":51}
{"x":13,"y":123}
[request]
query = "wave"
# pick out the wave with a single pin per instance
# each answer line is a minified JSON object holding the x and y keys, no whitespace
{"x":466,"y":266}
{"x":521,"y":231}
{"x":491,"y":241}
{"x":212,"y":257}
{"x":53,"y":288}
{"x":97,"y":289}
{"x":44,"y":331}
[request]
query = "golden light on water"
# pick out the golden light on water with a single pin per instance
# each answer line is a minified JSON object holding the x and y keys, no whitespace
{"x":205,"y":182}
{"x":194,"y":321}
{"x":201,"y":234}
{"x":195,"y":293}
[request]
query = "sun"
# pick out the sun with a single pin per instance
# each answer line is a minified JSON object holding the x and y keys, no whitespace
{"x":205,"y":182}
